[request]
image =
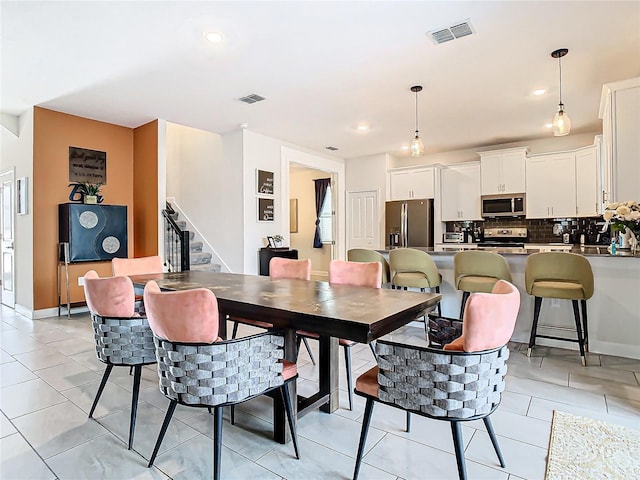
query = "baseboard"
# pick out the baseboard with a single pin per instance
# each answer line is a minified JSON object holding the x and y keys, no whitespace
{"x":53,"y":312}
{"x":24,"y":311}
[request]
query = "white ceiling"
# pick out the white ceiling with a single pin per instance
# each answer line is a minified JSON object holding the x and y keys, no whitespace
{"x":323,"y":67}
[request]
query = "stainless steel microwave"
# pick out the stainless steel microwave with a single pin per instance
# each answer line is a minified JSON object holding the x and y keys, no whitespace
{"x":511,"y":205}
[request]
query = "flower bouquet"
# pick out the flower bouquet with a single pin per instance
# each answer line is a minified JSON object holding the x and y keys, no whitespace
{"x":624,"y":218}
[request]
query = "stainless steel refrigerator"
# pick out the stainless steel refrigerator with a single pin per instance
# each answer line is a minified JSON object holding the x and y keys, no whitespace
{"x":409,"y":223}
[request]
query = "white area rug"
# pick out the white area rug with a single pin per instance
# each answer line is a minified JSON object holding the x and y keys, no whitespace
{"x":584,"y":448}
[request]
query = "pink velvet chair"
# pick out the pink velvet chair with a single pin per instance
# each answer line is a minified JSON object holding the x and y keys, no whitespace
{"x":463,"y":382}
{"x":362,"y":274}
{"x":280,"y":268}
{"x":137,"y":266}
{"x":198,"y":369}
{"x":123,"y":337}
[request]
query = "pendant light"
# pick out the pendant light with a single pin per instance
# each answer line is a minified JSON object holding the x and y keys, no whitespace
{"x":417,"y":147}
{"x":561,"y":122}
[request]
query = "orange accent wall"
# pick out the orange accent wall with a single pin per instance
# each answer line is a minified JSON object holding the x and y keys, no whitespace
{"x":145,"y":192}
{"x":53,"y":134}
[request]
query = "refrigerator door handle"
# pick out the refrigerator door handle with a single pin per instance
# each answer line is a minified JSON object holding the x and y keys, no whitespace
{"x":404,"y":222}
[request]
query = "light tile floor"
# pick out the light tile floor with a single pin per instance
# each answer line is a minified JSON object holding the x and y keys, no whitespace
{"x":49,"y":375}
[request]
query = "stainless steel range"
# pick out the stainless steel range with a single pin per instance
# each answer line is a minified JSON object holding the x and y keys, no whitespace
{"x":504,"y":238}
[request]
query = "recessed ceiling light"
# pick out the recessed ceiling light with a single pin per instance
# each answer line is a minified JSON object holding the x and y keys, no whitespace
{"x":548,"y":125}
{"x":405,"y":147}
{"x":214,"y":37}
{"x":540,"y":91}
{"x":362,"y":127}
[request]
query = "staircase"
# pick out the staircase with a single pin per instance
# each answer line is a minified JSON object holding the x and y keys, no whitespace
{"x":198,"y":258}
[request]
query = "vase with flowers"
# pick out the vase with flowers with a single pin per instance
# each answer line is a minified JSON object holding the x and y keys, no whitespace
{"x":624,"y":219}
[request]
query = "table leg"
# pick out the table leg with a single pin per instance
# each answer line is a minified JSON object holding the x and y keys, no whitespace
{"x":329,"y":372}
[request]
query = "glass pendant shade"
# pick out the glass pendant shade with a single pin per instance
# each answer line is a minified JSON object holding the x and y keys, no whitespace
{"x":417,"y":146}
{"x":561,"y":123}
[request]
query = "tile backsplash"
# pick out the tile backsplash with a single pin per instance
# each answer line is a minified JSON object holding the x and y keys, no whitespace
{"x":544,"y":230}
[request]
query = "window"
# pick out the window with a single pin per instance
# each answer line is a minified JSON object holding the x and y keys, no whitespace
{"x":326,"y":219}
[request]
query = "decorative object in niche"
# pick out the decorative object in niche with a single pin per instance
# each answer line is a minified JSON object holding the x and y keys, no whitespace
{"x":23,"y":196}
{"x":293,"y":215}
{"x":87,"y":166}
{"x":85,"y":192}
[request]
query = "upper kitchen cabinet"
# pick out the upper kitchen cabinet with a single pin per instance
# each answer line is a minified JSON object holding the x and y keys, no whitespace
{"x":460,"y":192}
{"x":588,"y":190}
{"x":503,"y":171}
{"x":620,"y":114}
{"x":551,"y":185}
{"x":407,"y":184}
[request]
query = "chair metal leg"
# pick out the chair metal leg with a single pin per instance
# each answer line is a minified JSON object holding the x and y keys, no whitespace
{"x":494,"y":440}
{"x":306,"y":345}
{"x":537,"y":305}
{"x":103,"y":382}
{"x":235,"y":330}
{"x":347,"y":361}
{"x":137,"y":373}
{"x":437,"y":289}
{"x":284,"y":391}
{"x":366,"y":421}
{"x":233,"y":414}
{"x":163,"y":430}
{"x":131,"y":370}
{"x":372,"y":346}
{"x":456,"y":431}
{"x":408,"y":421}
{"x":585,"y":331}
{"x":576,"y":316}
{"x":217,"y":442}
{"x":465,"y":296}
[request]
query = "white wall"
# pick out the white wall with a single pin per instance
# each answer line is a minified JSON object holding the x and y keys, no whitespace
{"x":545,"y":145}
{"x":204,"y":175}
{"x":17,"y":152}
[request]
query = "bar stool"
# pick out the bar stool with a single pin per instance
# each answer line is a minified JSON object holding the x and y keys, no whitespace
{"x":366,"y":255}
{"x":478,"y":271}
{"x":565,"y":276}
{"x":411,"y":268}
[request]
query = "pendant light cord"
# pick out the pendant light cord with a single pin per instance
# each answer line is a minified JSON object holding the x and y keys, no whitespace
{"x":560,"y":65}
{"x":416,"y":112}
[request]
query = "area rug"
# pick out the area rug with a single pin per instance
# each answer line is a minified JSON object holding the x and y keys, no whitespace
{"x":584,"y":448}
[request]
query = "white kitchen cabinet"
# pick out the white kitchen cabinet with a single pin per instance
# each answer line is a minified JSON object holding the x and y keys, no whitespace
{"x":460,"y":192}
{"x":503,"y":171}
{"x":551,"y":185}
{"x":587,"y":185}
{"x":620,"y":114}
{"x":412,"y":183}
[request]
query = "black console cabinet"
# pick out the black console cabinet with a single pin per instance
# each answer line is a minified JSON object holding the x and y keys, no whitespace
{"x":266,"y":254}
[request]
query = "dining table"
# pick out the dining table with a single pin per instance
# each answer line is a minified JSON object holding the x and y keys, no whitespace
{"x":360,"y":314}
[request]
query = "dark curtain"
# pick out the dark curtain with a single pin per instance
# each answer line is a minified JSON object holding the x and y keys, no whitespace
{"x":321,"y":192}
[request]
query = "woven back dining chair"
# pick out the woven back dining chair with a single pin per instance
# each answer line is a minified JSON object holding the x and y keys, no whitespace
{"x":123,"y":337}
{"x":198,"y":369}
{"x":362,"y":274}
{"x":462,"y":382}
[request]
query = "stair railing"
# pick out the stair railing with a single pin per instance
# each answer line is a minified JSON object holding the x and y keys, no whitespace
{"x":176,"y":243}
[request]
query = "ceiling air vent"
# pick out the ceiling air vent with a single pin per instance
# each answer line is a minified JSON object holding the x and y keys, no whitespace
{"x":331,"y":148}
{"x":253,"y":98}
{"x":458,"y":30}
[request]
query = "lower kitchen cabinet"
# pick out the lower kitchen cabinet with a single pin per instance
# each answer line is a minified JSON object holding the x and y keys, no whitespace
{"x":460,"y":192}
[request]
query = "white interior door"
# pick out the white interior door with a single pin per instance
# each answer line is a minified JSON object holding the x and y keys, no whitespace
{"x":7,"y":212}
{"x":363,"y":219}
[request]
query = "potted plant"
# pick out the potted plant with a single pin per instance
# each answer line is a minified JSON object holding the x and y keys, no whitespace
{"x":89,"y":192}
{"x":278,"y":240}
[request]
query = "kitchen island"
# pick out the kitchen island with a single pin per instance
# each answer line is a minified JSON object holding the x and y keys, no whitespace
{"x":613,"y":311}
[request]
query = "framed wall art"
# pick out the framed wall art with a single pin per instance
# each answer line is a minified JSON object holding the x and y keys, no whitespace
{"x":265,"y":210}
{"x":22,"y":186}
{"x":264,"y":182}
{"x":293,"y":215}
{"x":87,"y":166}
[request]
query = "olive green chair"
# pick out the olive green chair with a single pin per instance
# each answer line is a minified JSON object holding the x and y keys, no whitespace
{"x":478,"y":271}
{"x":411,"y":268}
{"x":565,"y":276}
{"x":366,"y":255}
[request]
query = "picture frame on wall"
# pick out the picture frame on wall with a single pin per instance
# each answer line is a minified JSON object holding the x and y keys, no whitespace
{"x":271,"y":242}
{"x":22,"y":186}
{"x":87,"y":166}
{"x":265,"y":210}
{"x":264,"y":182}
{"x":293,"y":215}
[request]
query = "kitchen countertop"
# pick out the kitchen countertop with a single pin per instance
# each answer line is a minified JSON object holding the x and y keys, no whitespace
{"x":587,"y":250}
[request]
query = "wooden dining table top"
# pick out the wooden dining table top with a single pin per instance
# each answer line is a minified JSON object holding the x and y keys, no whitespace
{"x":361,"y":314}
